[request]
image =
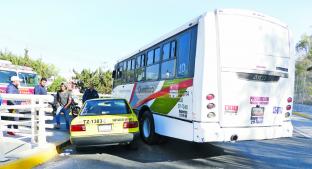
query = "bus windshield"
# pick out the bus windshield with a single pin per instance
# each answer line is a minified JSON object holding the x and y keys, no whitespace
{"x":28,"y":79}
{"x":5,"y":76}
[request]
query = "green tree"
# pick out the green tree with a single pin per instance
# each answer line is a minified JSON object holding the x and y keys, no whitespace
{"x":43,"y":69}
{"x":102,"y":80}
{"x":303,"y":89}
{"x":56,"y":84}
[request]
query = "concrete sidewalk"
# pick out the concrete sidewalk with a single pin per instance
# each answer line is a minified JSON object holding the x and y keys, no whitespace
{"x":16,"y":153}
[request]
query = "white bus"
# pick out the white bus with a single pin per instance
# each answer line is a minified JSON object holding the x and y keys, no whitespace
{"x":227,"y":75}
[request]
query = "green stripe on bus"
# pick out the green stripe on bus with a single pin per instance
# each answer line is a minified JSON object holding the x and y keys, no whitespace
{"x":165,"y":104}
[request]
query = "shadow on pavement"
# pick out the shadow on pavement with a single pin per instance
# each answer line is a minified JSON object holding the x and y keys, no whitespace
{"x":172,"y":150}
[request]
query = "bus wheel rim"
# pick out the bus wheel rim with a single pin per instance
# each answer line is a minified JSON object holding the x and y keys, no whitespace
{"x":146,"y":128}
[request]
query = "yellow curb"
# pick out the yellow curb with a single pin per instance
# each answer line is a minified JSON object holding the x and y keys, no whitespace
{"x":42,"y":155}
{"x":303,"y":115}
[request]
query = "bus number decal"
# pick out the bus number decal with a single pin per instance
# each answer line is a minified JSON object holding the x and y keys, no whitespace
{"x":183,"y":109}
{"x":182,"y":68}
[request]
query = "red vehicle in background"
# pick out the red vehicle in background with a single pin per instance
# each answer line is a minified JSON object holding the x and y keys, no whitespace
{"x":28,"y":76}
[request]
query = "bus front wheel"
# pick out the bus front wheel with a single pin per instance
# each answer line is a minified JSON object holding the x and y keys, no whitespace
{"x":147,"y":128}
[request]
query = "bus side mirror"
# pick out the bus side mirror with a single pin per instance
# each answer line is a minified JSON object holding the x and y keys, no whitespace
{"x":114,"y":74}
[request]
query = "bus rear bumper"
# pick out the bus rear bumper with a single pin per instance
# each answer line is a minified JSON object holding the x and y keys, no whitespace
{"x":212,"y":132}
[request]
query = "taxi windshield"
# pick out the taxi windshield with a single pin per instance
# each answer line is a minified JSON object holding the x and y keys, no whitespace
{"x":105,"y":107}
{"x":28,"y":79}
{"x":5,"y":76}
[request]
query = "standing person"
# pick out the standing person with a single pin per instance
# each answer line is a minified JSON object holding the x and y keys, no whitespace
{"x":90,"y":93}
{"x":63,"y":101}
{"x":12,"y":88}
{"x":75,"y":89}
{"x":74,"y":92}
{"x":40,"y":88}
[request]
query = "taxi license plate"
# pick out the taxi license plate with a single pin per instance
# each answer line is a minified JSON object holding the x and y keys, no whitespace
{"x":105,"y":128}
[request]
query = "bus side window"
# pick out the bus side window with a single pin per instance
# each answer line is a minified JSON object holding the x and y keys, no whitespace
{"x":168,"y":67}
{"x":173,"y":49}
{"x":183,"y":55}
{"x":140,"y":70}
{"x":150,"y":57}
{"x":140,"y":74}
{"x":138,"y":61}
{"x":157,"y":55}
{"x":152,"y":72}
{"x":124,"y":75}
{"x":130,"y":71}
{"x":133,"y":64}
{"x":119,"y":70}
{"x":166,"y":51}
{"x":143,"y":60}
{"x":132,"y":75}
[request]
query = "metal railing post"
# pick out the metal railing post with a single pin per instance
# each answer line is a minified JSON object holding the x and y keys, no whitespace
{"x":34,"y":129}
{"x":42,"y":133}
{"x":38,"y":106}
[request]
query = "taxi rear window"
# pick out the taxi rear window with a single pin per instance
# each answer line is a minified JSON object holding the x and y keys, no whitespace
{"x":105,"y":107}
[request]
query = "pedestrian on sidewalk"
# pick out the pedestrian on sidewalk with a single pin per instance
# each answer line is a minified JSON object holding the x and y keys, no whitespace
{"x":12,"y":88}
{"x":90,"y":93}
{"x":40,"y":88}
{"x":63,"y":101}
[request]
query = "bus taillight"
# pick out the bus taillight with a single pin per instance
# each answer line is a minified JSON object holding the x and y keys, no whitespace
{"x":211,"y":106}
{"x":289,"y":100}
{"x":288,"y":107}
{"x":210,"y":96}
{"x":211,"y":115}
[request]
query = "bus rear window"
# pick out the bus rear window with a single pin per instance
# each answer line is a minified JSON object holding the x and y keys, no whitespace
{"x":105,"y":107}
{"x":5,"y":76}
{"x":28,"y":79}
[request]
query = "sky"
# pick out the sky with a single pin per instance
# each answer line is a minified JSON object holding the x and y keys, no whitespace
{"x":77,"y":34}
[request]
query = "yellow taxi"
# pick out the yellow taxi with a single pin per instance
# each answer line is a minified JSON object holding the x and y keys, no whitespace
{"x":104,"y":122}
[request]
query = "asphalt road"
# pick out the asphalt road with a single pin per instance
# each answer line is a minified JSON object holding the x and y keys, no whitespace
{"x":295,"y":152}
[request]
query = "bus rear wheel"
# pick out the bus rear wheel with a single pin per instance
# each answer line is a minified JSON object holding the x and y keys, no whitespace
{"x":147,"y":128}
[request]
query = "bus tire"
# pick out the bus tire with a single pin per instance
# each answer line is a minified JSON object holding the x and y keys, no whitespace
{"x":147,"y":128}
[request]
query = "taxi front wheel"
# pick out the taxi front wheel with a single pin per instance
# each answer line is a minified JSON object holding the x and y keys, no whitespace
{"x":147,"y":128}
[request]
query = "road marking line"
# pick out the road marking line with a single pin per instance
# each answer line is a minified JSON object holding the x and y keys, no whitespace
{"x":302,"y":133}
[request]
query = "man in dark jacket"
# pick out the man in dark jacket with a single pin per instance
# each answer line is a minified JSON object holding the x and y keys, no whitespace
{"x":40,"y":88}
{"x":90,"y":93}
{"x":12,"y":88}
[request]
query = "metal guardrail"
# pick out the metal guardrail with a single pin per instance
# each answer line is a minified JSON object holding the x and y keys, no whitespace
{"x":30,"y":117}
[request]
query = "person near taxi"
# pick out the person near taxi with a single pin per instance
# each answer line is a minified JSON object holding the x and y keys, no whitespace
{"x":90,"y":93}
{"x":40,"y":88}
{"x":63,"y":102}
{"x":12,"y":88}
